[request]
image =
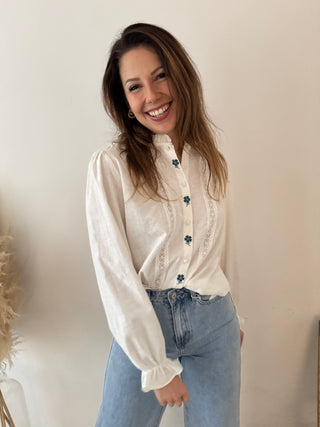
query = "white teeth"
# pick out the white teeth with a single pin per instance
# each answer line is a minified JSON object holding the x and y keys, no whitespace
{"x":158,"y":113}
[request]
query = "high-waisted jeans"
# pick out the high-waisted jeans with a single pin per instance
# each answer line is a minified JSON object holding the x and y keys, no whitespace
{"x":204,"y":335}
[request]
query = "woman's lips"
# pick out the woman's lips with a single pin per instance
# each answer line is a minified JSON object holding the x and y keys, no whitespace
{"x":159,"y":113}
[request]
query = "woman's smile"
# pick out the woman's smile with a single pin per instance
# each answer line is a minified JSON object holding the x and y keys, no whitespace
{"x":159,"y":113}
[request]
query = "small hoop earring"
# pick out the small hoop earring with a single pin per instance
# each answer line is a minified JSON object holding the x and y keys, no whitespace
{"x":131,"y":115}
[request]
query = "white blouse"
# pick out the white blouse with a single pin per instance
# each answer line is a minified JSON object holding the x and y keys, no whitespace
{"x":139,"y":243}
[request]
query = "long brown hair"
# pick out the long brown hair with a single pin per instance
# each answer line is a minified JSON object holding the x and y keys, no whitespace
{"x":193,"y":124}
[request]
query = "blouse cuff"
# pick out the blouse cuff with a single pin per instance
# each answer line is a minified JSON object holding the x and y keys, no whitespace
{"x":161,"y":375}
{"x":241,"y":321}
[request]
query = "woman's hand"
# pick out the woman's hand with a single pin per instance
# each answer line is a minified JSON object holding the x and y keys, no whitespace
{"x":241,"y":336}
{"x":173,"y":393}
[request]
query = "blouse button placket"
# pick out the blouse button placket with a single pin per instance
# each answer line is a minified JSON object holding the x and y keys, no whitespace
{"x":187,"y":237}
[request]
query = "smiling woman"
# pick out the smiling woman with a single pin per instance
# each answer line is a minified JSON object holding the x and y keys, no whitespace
{"x":155,"y":211}
{"x":149,"y":91}
{"x":193,"y":126}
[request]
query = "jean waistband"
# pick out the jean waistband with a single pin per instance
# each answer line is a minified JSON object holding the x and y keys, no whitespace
{"x":177,"y":293}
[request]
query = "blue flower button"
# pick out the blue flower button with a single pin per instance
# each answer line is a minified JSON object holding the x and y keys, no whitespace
{"x":188,"y":239}
{"x":180,"y":278}
{"x":175,"y":163}
{"x":186,"y":200}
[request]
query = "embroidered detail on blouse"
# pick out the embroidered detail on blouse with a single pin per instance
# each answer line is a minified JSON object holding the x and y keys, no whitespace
{"x":211,"y":215}
{"x":188,"y":239}
{"x":162,"y":266}
{"x":186,"y":200}
{"x":163,"y":258}
{"x":211,"y":228}
{"x":180,"y":278}
{"x":175,"y":163}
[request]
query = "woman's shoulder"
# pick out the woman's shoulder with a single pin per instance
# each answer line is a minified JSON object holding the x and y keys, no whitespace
{"x":111,"y":151}
{"x":107,"y":156}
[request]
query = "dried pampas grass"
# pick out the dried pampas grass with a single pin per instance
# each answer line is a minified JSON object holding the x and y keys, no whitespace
{"x":10,"y":297}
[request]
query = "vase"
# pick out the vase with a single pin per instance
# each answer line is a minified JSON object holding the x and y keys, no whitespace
{"x":13,"y":408}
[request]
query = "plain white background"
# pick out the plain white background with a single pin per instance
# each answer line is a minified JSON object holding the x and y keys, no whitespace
{"x":260,"y":67}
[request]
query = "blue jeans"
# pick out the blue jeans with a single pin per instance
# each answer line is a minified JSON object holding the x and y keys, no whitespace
{"x":204,"y":334}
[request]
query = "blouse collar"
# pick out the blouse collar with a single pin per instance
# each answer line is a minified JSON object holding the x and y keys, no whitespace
{"x":161,"y":139}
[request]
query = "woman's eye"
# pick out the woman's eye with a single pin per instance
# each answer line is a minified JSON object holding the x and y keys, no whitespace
{"x":161,"y":75}
{"x":133,"y":88}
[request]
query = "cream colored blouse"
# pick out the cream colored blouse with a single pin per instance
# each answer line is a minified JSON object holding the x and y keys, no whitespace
{"x":138,"y":243}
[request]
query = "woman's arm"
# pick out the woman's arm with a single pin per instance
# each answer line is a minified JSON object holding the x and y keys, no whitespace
{"x":131,"y":317}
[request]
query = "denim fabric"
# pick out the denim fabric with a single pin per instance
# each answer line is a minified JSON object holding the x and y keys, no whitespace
{"x":204,"y":334}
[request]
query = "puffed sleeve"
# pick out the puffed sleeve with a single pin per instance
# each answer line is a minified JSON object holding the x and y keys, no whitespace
{"x":130,"y":314}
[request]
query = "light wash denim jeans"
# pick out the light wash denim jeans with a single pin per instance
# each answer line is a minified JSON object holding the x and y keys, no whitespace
{"x":204,"y":334}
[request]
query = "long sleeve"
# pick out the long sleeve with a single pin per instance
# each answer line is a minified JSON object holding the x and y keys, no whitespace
{"x":131,"y":317}
{"x":228,"y":258}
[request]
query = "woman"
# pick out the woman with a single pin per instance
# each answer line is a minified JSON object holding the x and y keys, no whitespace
{"x":155,"y":211}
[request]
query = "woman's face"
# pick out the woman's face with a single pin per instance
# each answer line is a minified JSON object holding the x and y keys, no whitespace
{"x":149,"y":91}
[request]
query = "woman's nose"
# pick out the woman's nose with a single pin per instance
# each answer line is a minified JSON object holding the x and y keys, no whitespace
{"x":151,"y":94}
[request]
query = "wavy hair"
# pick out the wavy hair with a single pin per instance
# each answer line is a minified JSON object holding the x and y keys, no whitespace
{"x":193,"y":123}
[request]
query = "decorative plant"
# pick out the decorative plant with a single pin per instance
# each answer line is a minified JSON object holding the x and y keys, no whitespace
{"x":9,"y":305}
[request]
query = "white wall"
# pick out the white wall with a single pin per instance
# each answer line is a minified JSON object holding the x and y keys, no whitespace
{"x":260,"y":65}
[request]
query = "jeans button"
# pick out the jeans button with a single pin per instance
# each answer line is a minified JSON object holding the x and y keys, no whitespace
{"x":174,"y":296}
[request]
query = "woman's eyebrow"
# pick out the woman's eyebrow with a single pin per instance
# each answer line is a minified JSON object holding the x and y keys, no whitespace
{"x":157,"y":69}
{"x":134,"y":79}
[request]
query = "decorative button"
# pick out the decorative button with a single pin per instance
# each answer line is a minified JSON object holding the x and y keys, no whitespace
{"x":187,"y":221}
{"x":188,"y":239}
{"x":184,"y":184}
{"x":187,"y":200}
{"x":174,"y":296}
{"x":180,"y":278}
{"x":185,"y":260}
{"x":175,"y":163}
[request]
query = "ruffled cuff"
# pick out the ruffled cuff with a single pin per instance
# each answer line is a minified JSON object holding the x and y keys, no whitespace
{"x":161,"y":375}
